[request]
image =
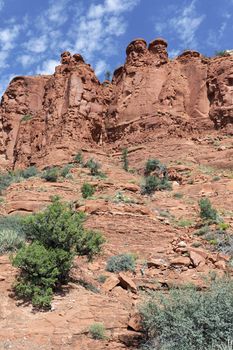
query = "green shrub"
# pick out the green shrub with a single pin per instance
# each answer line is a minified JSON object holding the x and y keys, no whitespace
{"x":153,"y":183}
{"x":178,"y":195}
{"x":121,"y":262}
{"x":102,"y":278}
{"x":66,"y":170}
{"x":39,"y":274}
{"x":93,"y":166}
{"x":54,"y":236}
{"x":90,"y":243}
{"x":10,"y":241}
{"x":97,"y":331}
{"x":187,"y":319}
{"x":87,"y":190}
{"x":79,"y":158}
{"x":29,"y":172}
{"x":6,"y":179}
{"x":26,"y":117}
{"x":50,"y":175}
{"x":207,"y":212}
{"x":11,"y":234}
{"x":155,"y":165}
{"x":125,"y":160}
{"x":220,"y":53}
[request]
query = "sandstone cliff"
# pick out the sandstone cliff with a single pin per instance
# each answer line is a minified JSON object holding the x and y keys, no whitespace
{"x":46,"y":119}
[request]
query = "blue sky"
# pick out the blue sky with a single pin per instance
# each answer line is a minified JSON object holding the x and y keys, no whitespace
{"x":33,"y":33}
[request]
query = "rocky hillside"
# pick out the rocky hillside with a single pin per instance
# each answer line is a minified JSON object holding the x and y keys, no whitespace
{"x":177,"y":111}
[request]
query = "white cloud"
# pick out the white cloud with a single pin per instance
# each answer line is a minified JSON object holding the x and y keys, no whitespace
{"x":101,"y":67}
{"x":26,"y":60}
{"x":187,"y":23}
{"x":181,"y":22}
{"x":48,"y":67}
{"x":96,"y":30}
{"x":37,"y":44}
{"x":8,"y":37}
{"x":56,"y":12}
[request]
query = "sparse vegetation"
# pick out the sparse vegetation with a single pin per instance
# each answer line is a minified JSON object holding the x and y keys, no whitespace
{"x":155,"y":165}
{"x":207,"y":212}
{"x":178,"y":195}
{"x":90,"y":243}
{"x":79,"y":158}
{"x":121,"y":262}
{"x":153,"y":183}
{"x":7,"y":178}
{"x":97,"y":331}
{"x":187,"y":319}
{"x":220,"y":53}
{"x":87,"y":190}
{"x":65,"y":171}
{"x":93,"y":166}
{"x":125,"y":160}
{"x":184,"y":223}
{"x":51,"y":174}
{"x":29,"y":172}
{"x":11,"y":234}
{"x":54,"y":236}
{"x":88,"y":286}
{"x":26,"y":117}
{"x":156,"y":178}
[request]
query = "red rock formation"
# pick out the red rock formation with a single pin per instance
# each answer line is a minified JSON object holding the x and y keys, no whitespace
{"x":149,"y":96}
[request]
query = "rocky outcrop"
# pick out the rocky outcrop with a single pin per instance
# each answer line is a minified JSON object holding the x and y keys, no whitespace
{"x":45,"y":120}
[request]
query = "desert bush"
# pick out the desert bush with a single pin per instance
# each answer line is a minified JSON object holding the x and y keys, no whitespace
{"x":154,"y":165}
{"x":64,"y":172}
{"x":87,"y":190}
{"x":26,"y":117}
{"x":78,"y":158}
{"x":90,"y":243}
{"x":207,"y":212}
{"x":11,"y":234}
{"x":188,"y":319}
{"x":39,"y":274}
{"x":220,"y":53}
{"x":121,"y":262}
{"x":125,"y":160}
{"x":29,"y":172}
{"x":50,"y":175}
{"x":6,"y":179}
{"x":97,"y":331}
{"x":54,"y":236}
{"x":93,"y":166}
{"x":153,"y":183}
{"x":87,"y":285}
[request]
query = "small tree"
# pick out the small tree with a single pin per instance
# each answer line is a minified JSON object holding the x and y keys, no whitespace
{"x":207,"y":212}
{"x":125,"y":159}
{"x":54,"y":235}
{"x":87,"y":190}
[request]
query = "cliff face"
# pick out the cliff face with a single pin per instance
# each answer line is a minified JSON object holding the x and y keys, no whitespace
{"x":150,"y":96}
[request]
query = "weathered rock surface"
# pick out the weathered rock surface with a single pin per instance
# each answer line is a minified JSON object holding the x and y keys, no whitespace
{"x":44,"y":120}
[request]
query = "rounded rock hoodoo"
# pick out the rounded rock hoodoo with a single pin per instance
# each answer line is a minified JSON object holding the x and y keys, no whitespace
{"x":157,"y":42}
{"x":137,"y":45}
{"x":65,"y":57}
{"x":189,"y":54}
{"x":159,"y":48}
{"x":78,"y":58}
